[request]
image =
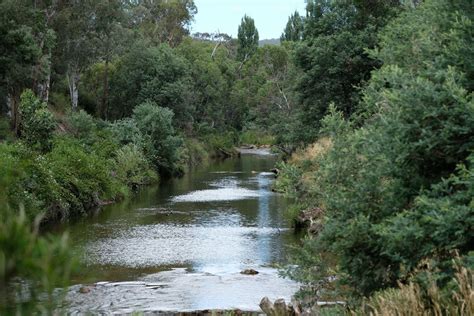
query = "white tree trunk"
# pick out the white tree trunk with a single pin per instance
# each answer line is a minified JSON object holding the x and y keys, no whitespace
{"x":73,"y":82}
{"x":9,"y":105}
{"x":44,"y":85}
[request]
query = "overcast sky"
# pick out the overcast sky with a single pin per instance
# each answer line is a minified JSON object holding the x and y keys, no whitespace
{"x":224,"y":15}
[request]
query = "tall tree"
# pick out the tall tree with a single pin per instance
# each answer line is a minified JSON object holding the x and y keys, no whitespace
{"x":248,"y":39}
{"x":108,"y":29}
{"x":333,"y":55}
{"x":294,"y":28}
{"x":75,"y":51}
{"x":163,"y":21}
{"x":19,"y":51}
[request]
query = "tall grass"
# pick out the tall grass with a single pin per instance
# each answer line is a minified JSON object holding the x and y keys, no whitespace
{"x":457,"y":298}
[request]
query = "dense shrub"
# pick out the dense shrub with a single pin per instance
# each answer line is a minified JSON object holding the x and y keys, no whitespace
{"x":5,"y":132}
{"x":23,"y":252}
{"x":132,"y":168}
{"x":44,"y":260}
{"x":37,"y":122}
{"x":161,"y":143}
{"x":81,"y":124}
{"x":222,"y":144}
{"x":194,"y":152}
{"x":256,"y":137}
{"x":67,"y":181}
{"x":126,"y":132}
{"x":396,"y":186}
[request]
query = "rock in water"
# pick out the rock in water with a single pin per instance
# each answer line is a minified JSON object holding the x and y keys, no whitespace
{"x":249,"y":272}
{"x":84,"y":290}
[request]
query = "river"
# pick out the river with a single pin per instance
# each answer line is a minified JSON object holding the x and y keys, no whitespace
{"x":181,"y":246}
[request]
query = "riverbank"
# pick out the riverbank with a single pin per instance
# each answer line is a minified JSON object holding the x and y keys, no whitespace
{"x":85,"y":163}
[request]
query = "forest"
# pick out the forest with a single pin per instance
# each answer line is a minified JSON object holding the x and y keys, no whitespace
{"x":368,"y":104}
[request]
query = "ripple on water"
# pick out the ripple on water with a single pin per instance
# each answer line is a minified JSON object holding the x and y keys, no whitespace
{"x":178,"y":290}
{"x":155,"y":245}
{"x":222,"y":194}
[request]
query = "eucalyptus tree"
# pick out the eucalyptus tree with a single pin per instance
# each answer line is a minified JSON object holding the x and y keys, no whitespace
{"x":110,"y":35}
{"x":76,"y":48}
{"x":162,"y":21}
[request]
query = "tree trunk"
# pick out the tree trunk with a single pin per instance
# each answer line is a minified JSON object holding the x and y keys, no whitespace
{"x":42,"y":78}
{"x":105,"y":96}
{"x":44,"y":86}
{"x":73,"y":82}
{"x":13,"y":102}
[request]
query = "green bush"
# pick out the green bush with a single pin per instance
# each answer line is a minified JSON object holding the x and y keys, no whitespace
{"x":193,"y":152}
{"x":288,"y":180}
{"x":254,"y":137}
{"x":85,"y":178}
{"x":5,"y":131}
{"x":396,"y":186}
{"x":161,"y":144}
{"x":81,"y":124}
{"x":132,"y":168}
{"x":222,"y":144}
{"x":44,"y":260}
{"x":66,"y":182}
{"x":37,"y":122}
{"x":126,"y":132}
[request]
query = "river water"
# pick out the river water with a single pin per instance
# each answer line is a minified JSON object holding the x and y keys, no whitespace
{"x":181,"y":246}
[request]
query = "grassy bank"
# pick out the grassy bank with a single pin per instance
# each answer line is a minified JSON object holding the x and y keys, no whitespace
{"x":64,"y":165}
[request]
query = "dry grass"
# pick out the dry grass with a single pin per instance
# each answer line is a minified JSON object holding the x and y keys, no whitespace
{"x":410,"y":299}
{"x":309,"y":159}
{"x":315,"y":150}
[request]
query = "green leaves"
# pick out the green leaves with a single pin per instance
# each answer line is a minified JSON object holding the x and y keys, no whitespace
{"x":294,"y":28}
{"x":397,"y":185}
{"x":37,"y":122}
{"x":45,"y":260}
{"x":247,"y":37}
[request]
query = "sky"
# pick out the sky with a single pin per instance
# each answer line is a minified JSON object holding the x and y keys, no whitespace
{"x":224,"y":15}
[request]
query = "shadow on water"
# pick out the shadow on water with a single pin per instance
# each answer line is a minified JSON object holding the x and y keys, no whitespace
{"x":181,"y":245}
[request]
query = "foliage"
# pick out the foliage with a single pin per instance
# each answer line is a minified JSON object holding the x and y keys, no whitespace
{"x":213,"y":73}
{"x":247,"y":37}
{"x":81,"y":124}
{"x":333,"y":57}
{"x":164,"y":21}
{"x":396,"y":186}
{"x":19,"y":51}
{"x":194,"y":153}
{"x":413,"y":299}
{"x":44,"y":260}
{"x":5,"y":132}
{"x":288,"y":180}
{"x":223,"y":144}
{"x":65,"y":182}
{"x":256,"y":137}
{"x":161,"y":142}
{"x":294,"y":28}
{"x":37,"y":122}
{"x":132,"y":168}
{"x":151,"y":74}
{"x":126,"y":132}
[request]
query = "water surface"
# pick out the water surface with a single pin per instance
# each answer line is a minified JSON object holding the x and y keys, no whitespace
{"x":181,"y":246}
